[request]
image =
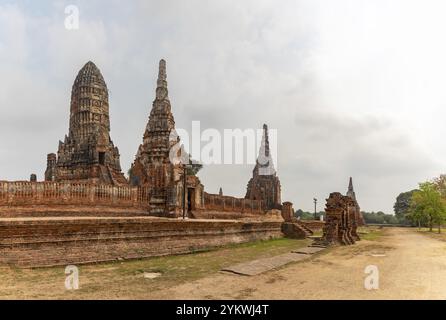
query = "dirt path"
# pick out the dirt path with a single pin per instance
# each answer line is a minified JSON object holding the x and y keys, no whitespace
{"x":411,"y":266}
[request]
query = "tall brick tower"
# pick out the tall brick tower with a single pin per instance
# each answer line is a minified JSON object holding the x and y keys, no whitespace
{"x":87,"y":154}
{"x":153,"y":165}
{"x":264,"y":184}
{"x":351,"y":193}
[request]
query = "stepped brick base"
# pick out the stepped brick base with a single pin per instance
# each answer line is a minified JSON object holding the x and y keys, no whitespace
{"x":38,"y":242}
{"x":294,"y":231}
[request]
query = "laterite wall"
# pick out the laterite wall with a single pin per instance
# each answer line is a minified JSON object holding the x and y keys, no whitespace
{"x":36,"y":242}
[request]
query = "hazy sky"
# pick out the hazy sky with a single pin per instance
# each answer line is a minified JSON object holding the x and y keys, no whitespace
{"x":354,"y":88}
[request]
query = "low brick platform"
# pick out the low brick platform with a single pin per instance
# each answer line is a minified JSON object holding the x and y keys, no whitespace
{"x":38,"y":242}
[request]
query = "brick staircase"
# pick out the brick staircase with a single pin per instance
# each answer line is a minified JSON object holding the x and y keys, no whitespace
{"x":295,"y":230}
{"x":308,"y":231}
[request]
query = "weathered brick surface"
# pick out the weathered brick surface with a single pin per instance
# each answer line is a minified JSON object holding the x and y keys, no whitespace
{"x":27,"y":194}
{"x":265,"y":184}
{"x":313,"y":225}
{"x":87,"y":154}
{"x":293,"y":230}
{"x":46,"y":199}
{"x":60,"y":241}
{"x":68,"y":211}
{"x":220,"y":203}
{"x":342,"y":220}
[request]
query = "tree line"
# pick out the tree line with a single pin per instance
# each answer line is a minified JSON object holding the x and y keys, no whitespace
{"x":425,"y":206}
{"x":369,"y":217}
{"x":422,"y":207}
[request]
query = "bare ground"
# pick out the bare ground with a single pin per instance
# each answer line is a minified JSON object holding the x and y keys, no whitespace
{"x":411,"y":266}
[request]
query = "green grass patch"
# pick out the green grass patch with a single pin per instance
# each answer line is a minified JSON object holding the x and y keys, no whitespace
{"x":434,"y":233}
{"x":370,"y":233}
{"x":318,"y":233}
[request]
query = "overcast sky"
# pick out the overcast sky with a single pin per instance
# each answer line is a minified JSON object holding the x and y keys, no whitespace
{"x":354,"y":88}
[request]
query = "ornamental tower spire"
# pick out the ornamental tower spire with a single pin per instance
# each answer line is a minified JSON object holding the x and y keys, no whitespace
{"x":351,"y":191}
{"x":87,"y":153}
{"x":153,"y":167}
{"x":265,"y":164}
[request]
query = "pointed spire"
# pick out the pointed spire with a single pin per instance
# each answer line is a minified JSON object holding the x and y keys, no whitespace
{"x":266,"y":139}
{"x":162,"y":74}
{"x":351,"y":191}
{"x":161,"y":83}
{"x":265,"y":161}
{"x":350,"y":185}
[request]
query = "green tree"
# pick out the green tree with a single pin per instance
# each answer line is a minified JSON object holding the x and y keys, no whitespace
{"x":402,"y":206}
{"x":440,"y":185}
{"x":304,"y":215}
{"x":427,"y":204}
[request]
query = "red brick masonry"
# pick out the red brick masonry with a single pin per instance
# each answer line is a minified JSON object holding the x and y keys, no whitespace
{"x":33,"y":199}
{"x":32,"y":242}
{"x":313,"y":225}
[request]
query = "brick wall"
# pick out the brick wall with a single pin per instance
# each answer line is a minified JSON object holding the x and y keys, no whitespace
{"x":24,"y":193}
{"x":44,"y":199}
{"x":313,"y":225}
{"x":61,"y":241}
{"x":40,"y":199}
{"x":215,"y":202}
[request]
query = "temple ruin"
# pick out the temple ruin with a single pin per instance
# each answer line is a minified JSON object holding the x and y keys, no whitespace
{"x":159,"y":161}
{"x":351,"y":193}
{"x":87,"y":153}
{"x":343,"y":216}
{"x":133,"y":218}
{"x":264,"y":184}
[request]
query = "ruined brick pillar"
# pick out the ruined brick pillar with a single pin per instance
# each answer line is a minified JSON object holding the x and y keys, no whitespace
{"x":341,"y":220}
{"x":287,"y":211}
{"x":51,"y":161}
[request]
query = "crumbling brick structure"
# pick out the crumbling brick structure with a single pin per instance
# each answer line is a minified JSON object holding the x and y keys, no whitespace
{"x":265,"y":184}
{"x":160,"y":159}
{"x":291,"y":227}
{"x":287,"y":211}
{"x":87,"y":154}
{"x":217,"y":202}
{"x":342,"y":218}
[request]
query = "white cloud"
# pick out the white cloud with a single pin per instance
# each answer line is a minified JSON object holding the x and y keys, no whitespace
{"x":353,"y":87}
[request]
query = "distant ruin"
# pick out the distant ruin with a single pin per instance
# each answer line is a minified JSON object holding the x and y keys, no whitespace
{"x":264,"y":184}
{"x":343,"y":216}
